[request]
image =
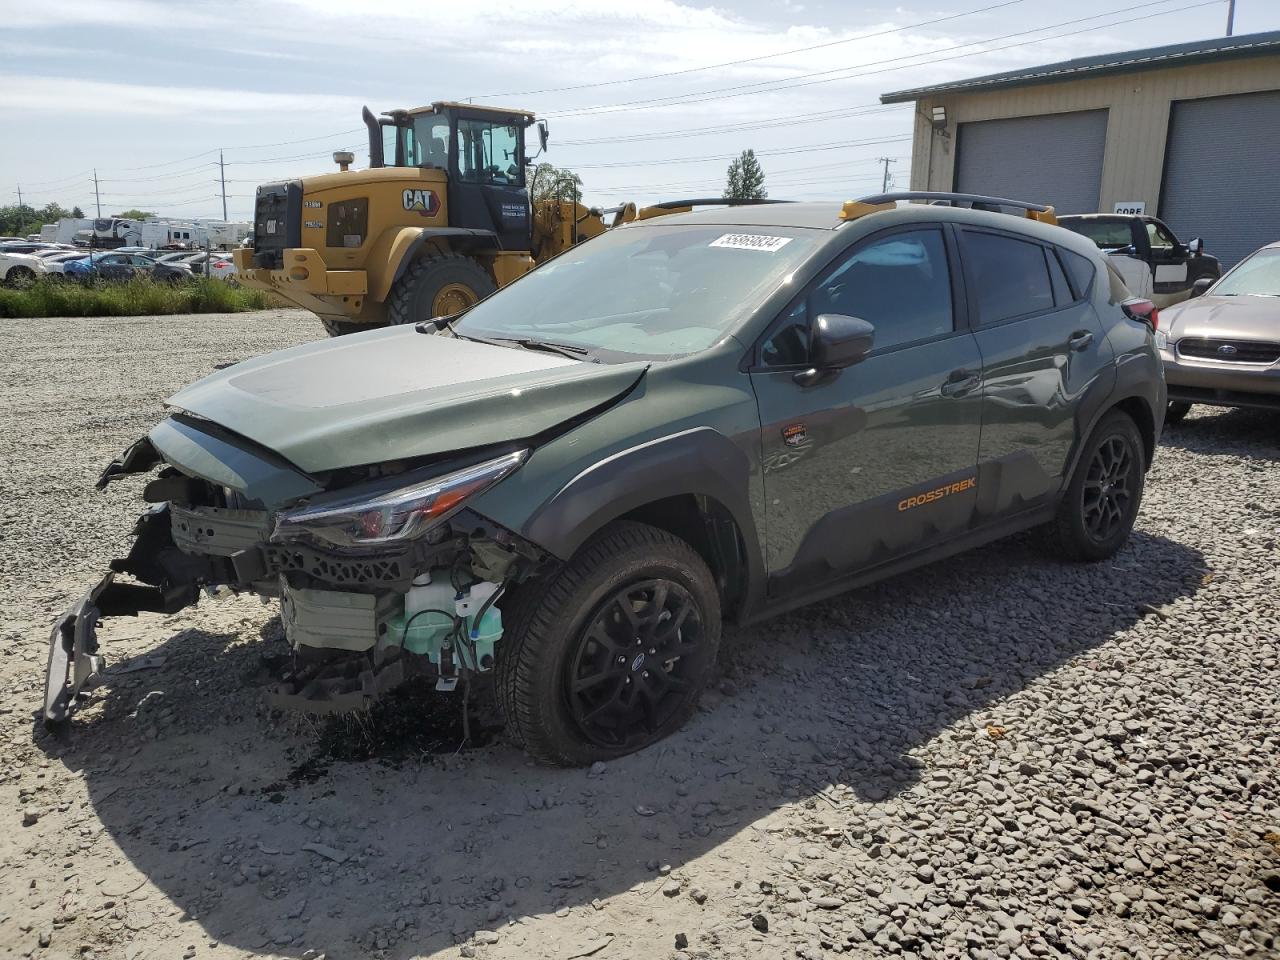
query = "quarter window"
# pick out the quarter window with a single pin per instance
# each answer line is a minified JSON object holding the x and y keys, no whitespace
{"x":1011,"y":276}
{"x":1081,"y":271}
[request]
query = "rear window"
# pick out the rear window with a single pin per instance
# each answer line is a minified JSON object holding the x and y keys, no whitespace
{"x":1107,"y":234}
{"x":1012,"y":277}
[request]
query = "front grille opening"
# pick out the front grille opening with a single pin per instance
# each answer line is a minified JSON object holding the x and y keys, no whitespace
{"x":1229,"y":351}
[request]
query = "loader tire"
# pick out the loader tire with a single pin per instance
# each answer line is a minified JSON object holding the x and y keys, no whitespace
{"x":340,"y":328}
{"x":437,"y":287}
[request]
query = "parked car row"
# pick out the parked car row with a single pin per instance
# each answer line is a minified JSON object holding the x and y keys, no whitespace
{"x":23,"y":262}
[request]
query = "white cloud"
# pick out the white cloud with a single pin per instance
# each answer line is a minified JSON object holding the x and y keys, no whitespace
{"x":35,"y":94}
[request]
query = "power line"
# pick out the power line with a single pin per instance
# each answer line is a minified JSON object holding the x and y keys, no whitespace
{"x":774,"y":86}
{"x":819,"y":116}
{"x":757,"y":59}
{"x":808,"y":148}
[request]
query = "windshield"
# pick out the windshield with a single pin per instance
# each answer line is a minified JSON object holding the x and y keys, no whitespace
{"x":1255,"y":276}
{"x":643,"y":292}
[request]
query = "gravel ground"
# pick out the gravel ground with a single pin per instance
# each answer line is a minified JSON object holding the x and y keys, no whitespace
{"x":999,"y":756}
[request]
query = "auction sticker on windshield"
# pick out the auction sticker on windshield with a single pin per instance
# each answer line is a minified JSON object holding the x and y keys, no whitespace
{"x":751,"y":241}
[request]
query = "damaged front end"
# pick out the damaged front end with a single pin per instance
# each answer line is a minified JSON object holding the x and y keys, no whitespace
{"x":381,"y":573}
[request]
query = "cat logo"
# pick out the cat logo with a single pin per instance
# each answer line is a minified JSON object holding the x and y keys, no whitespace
{"x":424,"y":201}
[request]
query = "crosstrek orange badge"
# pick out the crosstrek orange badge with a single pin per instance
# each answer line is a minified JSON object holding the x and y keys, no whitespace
{"x":920,"y":499}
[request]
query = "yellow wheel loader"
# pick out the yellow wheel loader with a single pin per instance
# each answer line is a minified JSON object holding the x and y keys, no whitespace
{"x":440,"y":219}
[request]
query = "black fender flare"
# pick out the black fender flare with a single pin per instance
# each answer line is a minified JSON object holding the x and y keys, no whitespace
{"x":698,"y":462}
{"x":462,"y":236}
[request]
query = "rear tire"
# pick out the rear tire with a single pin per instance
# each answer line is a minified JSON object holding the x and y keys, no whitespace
{"x":1176,"y":412}
{"x":340,"y":328}
{"x":1101,"y":503}
{"x":437,"y":286}
{"x":610,"y":653}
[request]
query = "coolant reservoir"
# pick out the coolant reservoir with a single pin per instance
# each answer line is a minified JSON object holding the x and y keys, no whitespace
{"x":482,"y":633}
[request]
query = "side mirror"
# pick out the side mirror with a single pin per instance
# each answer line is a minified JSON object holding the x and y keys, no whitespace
{"x":1195,"y":246}
{"x":1200,"y":286}
{"x":543,"y":135}
{"x":839,"y":341}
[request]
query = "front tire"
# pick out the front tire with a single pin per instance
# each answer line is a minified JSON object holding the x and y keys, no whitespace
{"x":1101,"y":504}
{"x":437,"y":287}
{"x":610,"y":653}
{"x":1176,"y":412}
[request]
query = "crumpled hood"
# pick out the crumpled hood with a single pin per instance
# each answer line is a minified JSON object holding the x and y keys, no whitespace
{"x":1224,"y":318}
{"x":395,"y":393}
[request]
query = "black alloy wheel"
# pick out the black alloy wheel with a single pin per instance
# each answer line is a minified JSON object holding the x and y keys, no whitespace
{"x":609,"y":653}
{"x":1106,"y":489}
{"x":635,"y":663}
{"x":1100,"y":504}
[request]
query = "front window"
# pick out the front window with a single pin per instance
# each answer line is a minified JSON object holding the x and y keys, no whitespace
{"x":1255,"y":276}
{"x":489,"y":152}
{"x":1162,"y":240}
{"x":644,"y":292}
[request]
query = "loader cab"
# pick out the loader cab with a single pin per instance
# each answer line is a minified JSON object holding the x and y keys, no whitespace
{"x":480,"y":148}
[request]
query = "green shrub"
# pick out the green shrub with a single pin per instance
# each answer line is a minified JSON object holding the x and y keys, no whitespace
{"x":138,"y":297}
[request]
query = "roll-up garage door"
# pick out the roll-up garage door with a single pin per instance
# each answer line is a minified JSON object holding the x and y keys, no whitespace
{"x":1055,"y":158}
{"x":1220,"y":174}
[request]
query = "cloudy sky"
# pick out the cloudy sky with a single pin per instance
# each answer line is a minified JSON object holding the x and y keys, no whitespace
{"x":646,"y":99}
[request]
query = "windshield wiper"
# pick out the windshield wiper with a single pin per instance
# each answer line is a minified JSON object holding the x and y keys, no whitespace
{"x":563,"y":349}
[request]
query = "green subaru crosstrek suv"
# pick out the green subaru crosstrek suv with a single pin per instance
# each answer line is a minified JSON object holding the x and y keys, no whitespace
{"x":700,"y":418}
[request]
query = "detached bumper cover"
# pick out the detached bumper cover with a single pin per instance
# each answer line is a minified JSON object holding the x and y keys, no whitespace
{"x":73,"y":646}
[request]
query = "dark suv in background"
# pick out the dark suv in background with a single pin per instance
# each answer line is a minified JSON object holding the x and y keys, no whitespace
{"x":702,"y":417}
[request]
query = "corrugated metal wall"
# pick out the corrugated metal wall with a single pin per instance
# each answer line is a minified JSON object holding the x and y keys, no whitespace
{"x":1054,"y":159}
{"x":1222,"y":175}
{"x":1138,"y":123}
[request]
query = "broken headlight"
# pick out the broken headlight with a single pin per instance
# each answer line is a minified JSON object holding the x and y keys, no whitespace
{"x":398,"y":514}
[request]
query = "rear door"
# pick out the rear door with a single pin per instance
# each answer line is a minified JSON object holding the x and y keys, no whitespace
{"x":1042,"y":349}
{"x":877,"y":460}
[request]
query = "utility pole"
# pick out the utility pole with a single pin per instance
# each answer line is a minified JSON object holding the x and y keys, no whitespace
{"x":1231,"y":16}
{"x":97,"y":198}
{"x":19,"y":195}
{"x":222,"y":175}
{"x":884,"y":183}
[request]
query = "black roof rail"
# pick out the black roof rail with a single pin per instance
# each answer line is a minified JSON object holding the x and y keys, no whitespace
{"x":955,"y":198}
{"x":710,"y":202}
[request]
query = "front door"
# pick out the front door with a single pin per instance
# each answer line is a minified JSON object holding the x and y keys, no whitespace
{"x":1170,"y":264}
{"x":1043,"y":348}
{"x":876,"y":460}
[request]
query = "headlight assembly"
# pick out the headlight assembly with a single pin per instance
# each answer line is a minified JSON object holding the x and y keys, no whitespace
{"x":397,"y":515}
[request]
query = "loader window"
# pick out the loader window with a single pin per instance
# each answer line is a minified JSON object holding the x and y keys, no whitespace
{"x":489,"y":153}
{"x":428,"y":142}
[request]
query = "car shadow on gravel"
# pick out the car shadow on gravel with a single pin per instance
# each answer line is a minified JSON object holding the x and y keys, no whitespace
{"x":272,"y":845}
{"x":1225,"y":431}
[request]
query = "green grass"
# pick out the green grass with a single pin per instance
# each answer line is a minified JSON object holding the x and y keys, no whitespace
{"x":139,"y":297}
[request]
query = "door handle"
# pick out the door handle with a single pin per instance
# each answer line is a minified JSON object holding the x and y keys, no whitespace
{"x":959,"y":382}
{"x":1080,"y":339}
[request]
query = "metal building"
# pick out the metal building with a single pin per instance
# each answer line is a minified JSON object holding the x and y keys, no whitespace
{"x":1188,"y":132}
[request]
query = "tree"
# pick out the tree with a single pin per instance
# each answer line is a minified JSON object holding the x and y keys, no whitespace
{"x":746,"y":178}
{"x":19,"y":220}
{"x":549,"y":183}
{"x":77,"y":213}
{"x":134,"y":215}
